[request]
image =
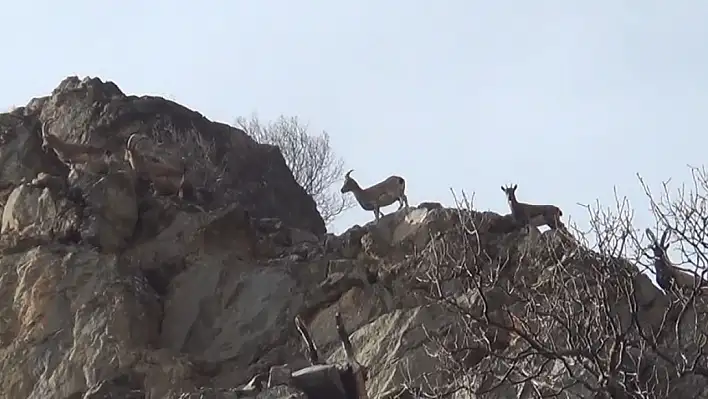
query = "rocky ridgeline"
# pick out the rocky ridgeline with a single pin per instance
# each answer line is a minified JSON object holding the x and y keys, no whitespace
{"x":113,"y":289}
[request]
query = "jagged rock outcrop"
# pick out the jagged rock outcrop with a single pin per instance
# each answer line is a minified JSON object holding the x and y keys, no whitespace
{"x":223,"y":160}
{"x":110,"y":289}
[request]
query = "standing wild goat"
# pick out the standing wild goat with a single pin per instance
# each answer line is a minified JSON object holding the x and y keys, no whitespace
{"x":666,"y":273}
{"x":379,"y":195}
{"x":530,"y":214}
{"x":69,"y":153}
{"x":166,"y":178}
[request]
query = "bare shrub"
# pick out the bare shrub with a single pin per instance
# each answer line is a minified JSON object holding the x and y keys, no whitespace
{"x":190,"y":146}
{"x":551,"y":315}
{"x":310,"y":157}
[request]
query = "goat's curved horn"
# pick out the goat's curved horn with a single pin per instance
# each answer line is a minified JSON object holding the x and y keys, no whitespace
{"x":133,"y":136}
{"x":346,"y":176}
{"x":44,"y":128}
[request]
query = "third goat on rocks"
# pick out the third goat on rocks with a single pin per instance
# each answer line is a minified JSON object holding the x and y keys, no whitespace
{"x":530,"y":214}
{"x":379,"y":195}
{"x":166,"y":178}
{"x":669,"y":276}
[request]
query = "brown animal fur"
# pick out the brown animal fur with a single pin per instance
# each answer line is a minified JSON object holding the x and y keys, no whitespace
{"x":530,"y":214}
{"x":70,"y":153}
{"x":167,"y":179}
{"x":379,"y":195}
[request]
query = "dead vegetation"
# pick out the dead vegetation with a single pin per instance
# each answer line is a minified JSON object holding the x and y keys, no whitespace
{"x":551,"y":316}
{"x":310,"y":157}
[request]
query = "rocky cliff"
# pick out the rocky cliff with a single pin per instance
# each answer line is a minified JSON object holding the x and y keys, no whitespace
{"x":113,"y":289}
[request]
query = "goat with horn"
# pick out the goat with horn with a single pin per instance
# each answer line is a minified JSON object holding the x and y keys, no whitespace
{"x":166,"y":178}
{"x":668,"y":275}
{"x":528,"y":215}
{"x":379,"y":195}
{"x":71,"y":153}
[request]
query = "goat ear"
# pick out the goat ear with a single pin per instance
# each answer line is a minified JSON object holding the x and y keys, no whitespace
{"x":651,"y":236}
{"x":502,"y":187}
{"x":515,"y":186}
{"x":664,"y":238}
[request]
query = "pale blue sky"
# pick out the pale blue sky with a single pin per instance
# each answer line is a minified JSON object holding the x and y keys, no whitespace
{"x":565,"y":98}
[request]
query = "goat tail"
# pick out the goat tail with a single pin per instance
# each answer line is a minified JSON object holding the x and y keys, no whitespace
{"x":402,"y":182}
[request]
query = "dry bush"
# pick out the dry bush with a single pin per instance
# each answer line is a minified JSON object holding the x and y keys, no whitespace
{"x":569,"y":317}
{"x":200,"y":153}
{"x":310,"y":157}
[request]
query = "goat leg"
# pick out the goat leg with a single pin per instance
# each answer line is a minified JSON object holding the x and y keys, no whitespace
{"x":527,"y":228}
{"x":558,"y":223}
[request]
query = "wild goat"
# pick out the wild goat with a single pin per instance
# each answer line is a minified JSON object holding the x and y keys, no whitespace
{"x":69,"y":153}
{"x":530,"y":214}
{"x":666,"y":273}
{"x":379,"y":195}
{"x":166,"y":178}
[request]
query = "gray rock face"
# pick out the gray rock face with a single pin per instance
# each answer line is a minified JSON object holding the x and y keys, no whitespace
{"x":111,"y":290}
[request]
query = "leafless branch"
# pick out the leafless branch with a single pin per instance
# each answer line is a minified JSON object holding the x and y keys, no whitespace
{"x":310,"y":157}
{"x":569,"y":316}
